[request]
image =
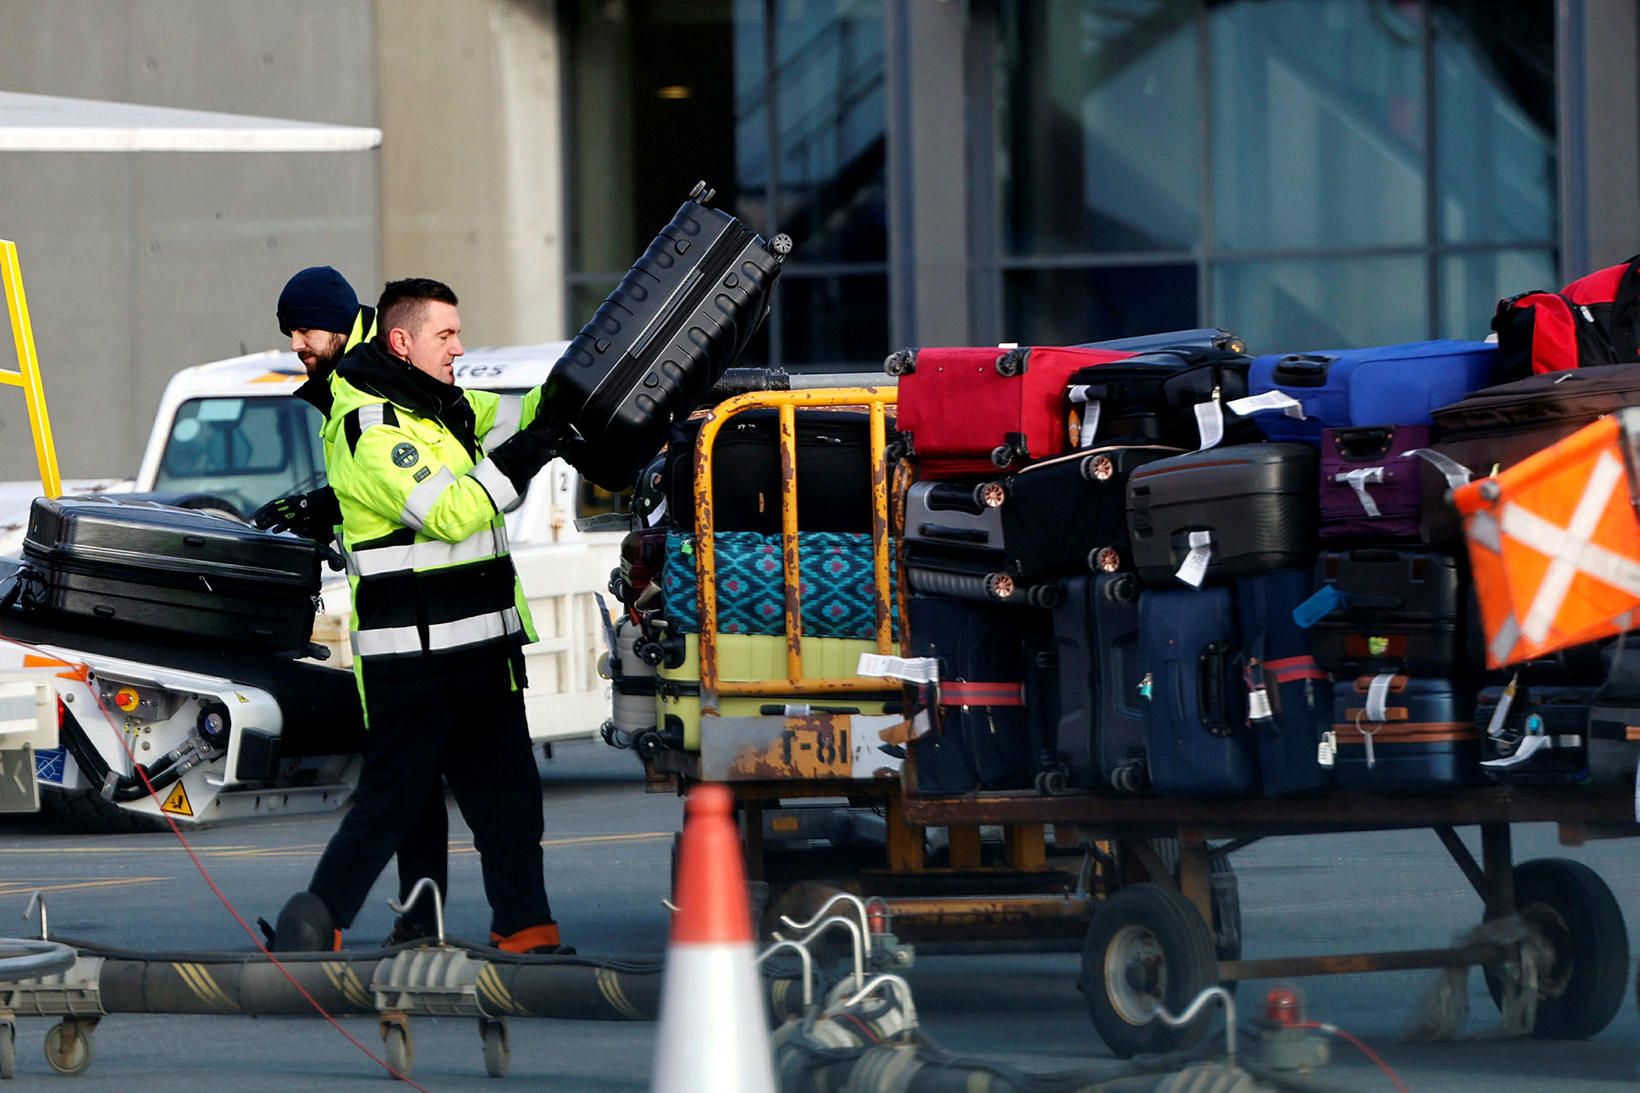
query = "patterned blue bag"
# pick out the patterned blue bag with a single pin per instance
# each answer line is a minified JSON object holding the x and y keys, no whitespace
{"x":836,"y":570}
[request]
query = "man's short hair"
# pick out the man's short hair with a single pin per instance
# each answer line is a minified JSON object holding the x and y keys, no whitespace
{"x":403,"y":304}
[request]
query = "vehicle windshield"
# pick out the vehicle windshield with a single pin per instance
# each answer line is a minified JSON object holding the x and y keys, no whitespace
{"x":247,"y":451}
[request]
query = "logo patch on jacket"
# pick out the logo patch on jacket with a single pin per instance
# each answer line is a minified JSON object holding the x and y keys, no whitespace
{"x":405,"y":455}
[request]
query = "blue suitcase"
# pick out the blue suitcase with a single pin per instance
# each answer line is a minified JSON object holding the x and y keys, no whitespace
{"x":1196,"y":735}
{"x":1101,"y":735}
{"x":1387,"y":385}
{"x":1289,"y":696}
{"x":1423,"y":737}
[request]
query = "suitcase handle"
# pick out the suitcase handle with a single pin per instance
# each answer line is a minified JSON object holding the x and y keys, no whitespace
{"x":1304,"y":369}
{"x":1364,"y":444}
{"x":949,"y":534}
{"x":1211,"y":700}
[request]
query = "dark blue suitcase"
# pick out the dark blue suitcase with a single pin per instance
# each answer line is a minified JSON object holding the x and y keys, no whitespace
{"x":1196,"y":736}
{"x":981,"y":693}
{"x":1386,"y":385}
{"x":1101,"y":735}
{"x":1289,"y":696}
{"x":1557,"y":716}
{"x":1423,"y":739}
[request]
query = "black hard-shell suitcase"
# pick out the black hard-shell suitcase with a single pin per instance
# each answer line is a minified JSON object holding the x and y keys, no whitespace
{"x":1614,"y":715}
{"x":1249,"y":507}
{"x":1068,"y":516}
{"x":1289,"y":696}
{"x":833,"y":472}
{"x":1392,"y":610}
{"x":94,"y":561}
{"x":952,"y":521}
{"x":658,"y":343}
{"x":981,"y":693}
{"x":1101,"y":737}
{"x":1197,"y":740}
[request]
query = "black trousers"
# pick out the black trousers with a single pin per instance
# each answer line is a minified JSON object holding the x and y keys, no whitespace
{"x":425,"y":852}
{"x":455,"y":715}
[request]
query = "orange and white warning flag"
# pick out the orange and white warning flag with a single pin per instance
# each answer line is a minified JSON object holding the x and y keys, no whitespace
{"x":1555,"y":544}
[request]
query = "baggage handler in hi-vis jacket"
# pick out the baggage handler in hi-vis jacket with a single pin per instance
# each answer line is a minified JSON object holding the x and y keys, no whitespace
{"x":422,"y":472}
{"x":320,"y":314}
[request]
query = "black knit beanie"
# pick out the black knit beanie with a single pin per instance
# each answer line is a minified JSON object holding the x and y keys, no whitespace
{"x":318,"y":298}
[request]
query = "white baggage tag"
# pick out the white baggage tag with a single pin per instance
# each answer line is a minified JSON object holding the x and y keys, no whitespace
{"x":1455,"y":473}
{"x":1500,"y":714}
{"x":609,"y":627}
{"x":1194,"y":569}
{"x":1270,"y":400}
{"x":1378,"y":696}
{"x":1358,"y":480}
{"x":1210,"y":423}
{"x":909,"y":669}
{"x":1529,"y":746}
{"x":921,"y":725}
{"x":1090,"y":414}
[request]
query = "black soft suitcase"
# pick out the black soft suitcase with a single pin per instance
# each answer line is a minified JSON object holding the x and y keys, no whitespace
{"x":1101,"y":737}
{"x":1068,"y":516}
{"x":658,"y":343}
{"x":1245,"y":509}
{"x":833,"y":472}
{"x":1197,"y":740}
{"x":1170,"y":396}
{"x":1388,"y":610}
{"x":96,"y":562}
{"x":1541,"y":738}
{"x":1614,"y":715}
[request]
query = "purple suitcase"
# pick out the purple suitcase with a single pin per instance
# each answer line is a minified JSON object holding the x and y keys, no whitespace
{"x":1368,"y":491}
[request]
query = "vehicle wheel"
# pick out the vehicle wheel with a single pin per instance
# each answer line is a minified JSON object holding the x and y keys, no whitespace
{"x":8,"y":1052}
{"x":66,"y":1054}
{"x":85,"y":810}
{"x":496,"y":1053}
{"x":1226,"y":889}
{"x":1146,"y":949}
{"x":1582,"y":990}
{"x":398,"y":1050}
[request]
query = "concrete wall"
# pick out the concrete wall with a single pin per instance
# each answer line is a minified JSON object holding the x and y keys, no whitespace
{"x":472,"y":181}
{"x":138,"y":264}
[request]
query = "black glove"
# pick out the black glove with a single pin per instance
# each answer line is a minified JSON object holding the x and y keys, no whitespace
{"x":521,"y":456}
{"x":311,"y":515}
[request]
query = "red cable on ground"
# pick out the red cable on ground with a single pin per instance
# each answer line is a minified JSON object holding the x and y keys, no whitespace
{"x":237,"y":917}
{"x":1373,"y":1056}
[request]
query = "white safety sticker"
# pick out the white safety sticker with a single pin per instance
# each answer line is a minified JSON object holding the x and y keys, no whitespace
{"x":1270,"y":400}
{"x":1358,"y":480}
{"x":1090,"y":414}
{"x":909,"y":669}
{"x":1193,"y":571}
{"x":1378,"y":697}
{"x":1210,"y":423}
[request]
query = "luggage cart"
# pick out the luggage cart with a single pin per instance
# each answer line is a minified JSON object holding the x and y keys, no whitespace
{"x":1152,"y":941}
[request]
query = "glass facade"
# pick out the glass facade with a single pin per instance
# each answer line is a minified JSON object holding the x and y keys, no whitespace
{"x":794,"y":141}
{"x":1309,"y":173}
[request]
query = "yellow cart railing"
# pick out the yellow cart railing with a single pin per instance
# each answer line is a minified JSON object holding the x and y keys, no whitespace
{"x":27,"y":375}
{"x":876,"y":401}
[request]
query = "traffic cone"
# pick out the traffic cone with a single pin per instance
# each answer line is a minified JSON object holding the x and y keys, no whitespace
{"x":714,"y":1028}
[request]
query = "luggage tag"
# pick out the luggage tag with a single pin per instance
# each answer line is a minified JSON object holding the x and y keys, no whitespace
{"x":1326,"y":600}
{"x":1500,"y":715}
{"x":1269,"y":400}
{"x":1210,"y":422}
{"x":919,"y":670}
{"x":1455,"y":473}
{"x":1358,"y":480}
{"x":1376,"y":710}
{"x":1529,"y":746}
{"x":1078,"y":394}
{"x":609,"y":627}
{"x":1193,"y":571}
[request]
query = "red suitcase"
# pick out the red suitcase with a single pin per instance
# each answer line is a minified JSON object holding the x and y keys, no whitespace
{"x":980,"y":410}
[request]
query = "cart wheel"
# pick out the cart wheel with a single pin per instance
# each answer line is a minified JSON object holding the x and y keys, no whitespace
{"x":1226,"y":896}
{"x":8,"y":1051}
{"x":68,"y":1051}
{"x":1582,"y":990}
{"x":496,"y":1053}
{"x":1146,"y":949}
{"x":400,"y":1051}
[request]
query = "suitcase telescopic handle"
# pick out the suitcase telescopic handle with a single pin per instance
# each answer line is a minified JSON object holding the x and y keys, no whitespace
{"x":1304,"y":369}
{"x":953,"y":535}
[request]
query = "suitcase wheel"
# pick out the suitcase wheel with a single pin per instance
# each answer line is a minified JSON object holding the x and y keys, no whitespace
{"x":702,"y":193}
{"x":1099,"y":468}
{"x":1052,"y":783}
{"x":1002,"y":456}
{"x":990,"y":495}
{"x":1000,"y":586}
{"x":1124,"y":589}
{"x":1104,"y":560}
{"x":901,"y":362}
{"x":1043,"y":595}
{"x":1011,"y":363}
{"x":781,"y":245}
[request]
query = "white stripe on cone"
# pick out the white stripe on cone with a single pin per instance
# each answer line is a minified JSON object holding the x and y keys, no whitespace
{"x":714,"y":1035}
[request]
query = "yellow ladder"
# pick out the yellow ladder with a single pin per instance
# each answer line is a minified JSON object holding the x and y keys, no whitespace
{"x":27,"y":375}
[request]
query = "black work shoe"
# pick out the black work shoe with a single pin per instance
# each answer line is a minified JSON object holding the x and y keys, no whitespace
{"x":404,"y":932}
{"x":305,"y":926}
